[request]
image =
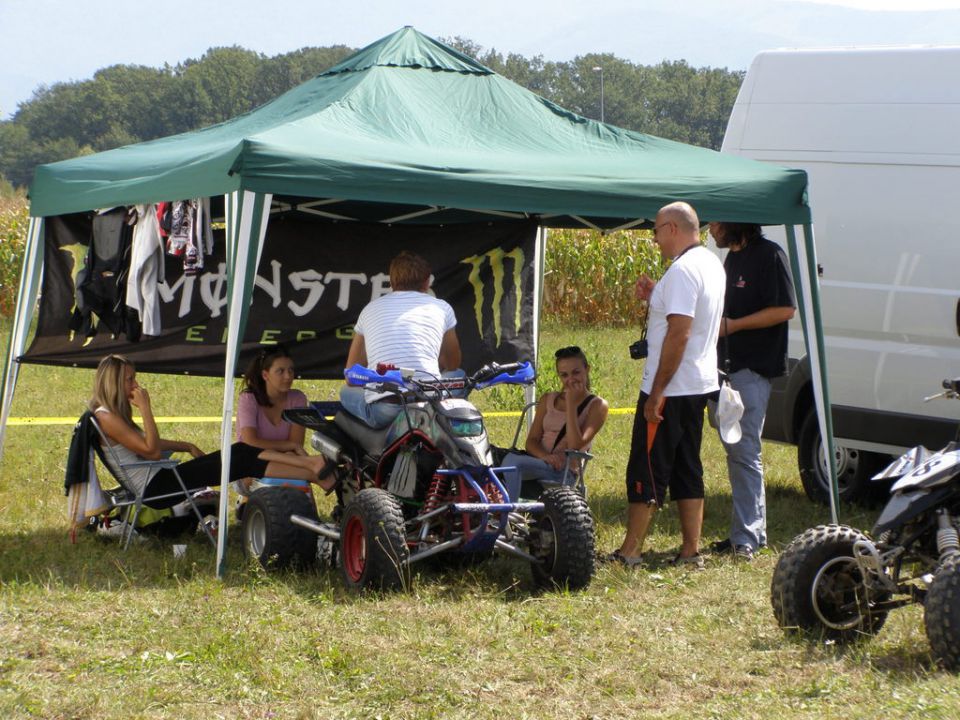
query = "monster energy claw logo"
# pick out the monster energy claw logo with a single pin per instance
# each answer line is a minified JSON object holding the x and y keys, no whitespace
{"x":495,"y":258}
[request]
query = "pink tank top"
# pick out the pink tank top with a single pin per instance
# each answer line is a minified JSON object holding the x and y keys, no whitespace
{"x":249,"y":414}
{"x":554,"y":421}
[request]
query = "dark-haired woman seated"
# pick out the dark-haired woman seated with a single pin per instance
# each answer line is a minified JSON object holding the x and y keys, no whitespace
{"x":267,"y":392}
{"x":565,"y":420}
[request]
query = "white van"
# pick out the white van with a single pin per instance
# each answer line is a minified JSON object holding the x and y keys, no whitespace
{"x":878,"y":132}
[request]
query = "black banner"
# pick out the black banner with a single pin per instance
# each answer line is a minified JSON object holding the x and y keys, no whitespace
{"x":312,"y":282}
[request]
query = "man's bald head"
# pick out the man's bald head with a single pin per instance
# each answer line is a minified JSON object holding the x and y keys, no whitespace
{"x":676,"y":228}
{"x":683,"y":215}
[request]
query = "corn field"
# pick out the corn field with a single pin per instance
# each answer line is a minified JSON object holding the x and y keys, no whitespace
{"x":13,"y":235}
{"x":590,"y":277}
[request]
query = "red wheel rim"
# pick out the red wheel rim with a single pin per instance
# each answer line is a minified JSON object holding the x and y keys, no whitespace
{"x":354,"y":549}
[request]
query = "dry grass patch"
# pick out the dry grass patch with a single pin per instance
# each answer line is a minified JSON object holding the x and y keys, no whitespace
{"x":90,"y":631}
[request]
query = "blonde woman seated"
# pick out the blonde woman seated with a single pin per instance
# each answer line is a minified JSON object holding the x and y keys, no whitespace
{"x":565,"y":420}
{"x":116,"y":392}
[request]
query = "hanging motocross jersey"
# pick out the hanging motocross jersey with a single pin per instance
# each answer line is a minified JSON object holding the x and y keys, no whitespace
{"x":101,"y":284}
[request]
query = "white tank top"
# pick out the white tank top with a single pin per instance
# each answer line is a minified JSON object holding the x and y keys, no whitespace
{"x":136,"y":477}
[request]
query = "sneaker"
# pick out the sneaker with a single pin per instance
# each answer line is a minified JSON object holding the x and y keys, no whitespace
{"x":695,"y":560}
{"x":743,"y":552}
{"x":725,"y":546}
{"x":721,"y":547}
{"x":117,"y":530}
{"x":618,"y":558}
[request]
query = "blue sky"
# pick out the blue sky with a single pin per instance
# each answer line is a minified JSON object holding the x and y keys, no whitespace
{"x":48,"y":41}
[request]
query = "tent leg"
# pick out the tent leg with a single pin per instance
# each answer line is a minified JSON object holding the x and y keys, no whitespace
{"x":803,"y":260}
{"x":247,"y":215}
{"x":27,"y":293}
{"x":539,"y":262}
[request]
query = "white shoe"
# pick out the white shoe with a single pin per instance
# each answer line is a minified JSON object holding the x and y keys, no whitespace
{"x":118,"y":530}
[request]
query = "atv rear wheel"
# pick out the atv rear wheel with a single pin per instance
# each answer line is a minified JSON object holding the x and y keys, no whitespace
{"x":563,"y":538}
{"x":817,"y":586}
{"x":373,"y":547}
{"x":941,"y":615}
{"x":268,"y":534}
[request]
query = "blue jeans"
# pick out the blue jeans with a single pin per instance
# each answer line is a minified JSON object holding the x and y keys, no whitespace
{"x":531,"y":468}
{"x":375,"y":414}
{"x":380,"y":414}
{"x":748,"y":521}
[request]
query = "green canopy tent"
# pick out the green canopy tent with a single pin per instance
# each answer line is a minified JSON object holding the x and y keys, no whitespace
{"x":410,"y":130}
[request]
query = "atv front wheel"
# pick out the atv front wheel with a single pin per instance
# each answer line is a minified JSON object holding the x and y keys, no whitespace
{"x":373,"y":547}
{"x":818,"y":586}
{"x":563,"y":539}
{"x":268,"y":534}
{"x":941,"y":615}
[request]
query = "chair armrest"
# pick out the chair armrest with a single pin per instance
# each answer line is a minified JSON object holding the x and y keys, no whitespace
{"x":152,"y":463}
{"x":581,"y":454}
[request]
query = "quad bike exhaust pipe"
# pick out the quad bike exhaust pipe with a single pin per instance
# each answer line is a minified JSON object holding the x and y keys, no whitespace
{"x":330,"y":449}
{"x":327,"y":530}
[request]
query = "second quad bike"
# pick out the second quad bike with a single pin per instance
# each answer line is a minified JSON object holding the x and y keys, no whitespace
{"x":424,"y":486}
{"x":840,"y":583}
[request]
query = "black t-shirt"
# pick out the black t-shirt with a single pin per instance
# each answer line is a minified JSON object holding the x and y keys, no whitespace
{"x":757,"y":277}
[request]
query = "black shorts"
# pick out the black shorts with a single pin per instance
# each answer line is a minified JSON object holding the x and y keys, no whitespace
{"x":204,"y":471}
{"x":674,"y":458}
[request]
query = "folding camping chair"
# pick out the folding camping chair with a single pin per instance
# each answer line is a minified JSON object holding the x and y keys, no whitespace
{"x":572,"y":477}
{"x":127,"y":497}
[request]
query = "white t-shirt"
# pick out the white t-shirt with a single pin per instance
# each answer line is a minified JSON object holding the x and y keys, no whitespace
{"x":693,"y":286}
{"x":405,"y":328}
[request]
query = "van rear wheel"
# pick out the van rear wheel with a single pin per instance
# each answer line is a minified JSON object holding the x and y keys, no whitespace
{"x":854,"y":467}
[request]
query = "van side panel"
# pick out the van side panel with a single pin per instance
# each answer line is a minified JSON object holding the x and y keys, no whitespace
{"x":877,"y":133}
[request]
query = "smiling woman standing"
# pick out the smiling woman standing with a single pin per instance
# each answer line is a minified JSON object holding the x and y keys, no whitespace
{"x":266,"y":394}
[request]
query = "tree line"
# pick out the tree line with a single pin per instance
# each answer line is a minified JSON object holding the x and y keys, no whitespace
{"x":124,"y":104}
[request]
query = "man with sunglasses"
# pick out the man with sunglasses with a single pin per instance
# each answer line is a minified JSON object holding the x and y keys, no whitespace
{"x":683,"y":322}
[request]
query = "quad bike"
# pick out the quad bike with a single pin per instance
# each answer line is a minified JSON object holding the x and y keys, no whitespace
{"x":424,"y":486}
{"x":841,"y":583}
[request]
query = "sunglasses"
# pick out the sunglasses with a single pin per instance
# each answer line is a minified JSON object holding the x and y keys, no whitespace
{"x":569,"y":351}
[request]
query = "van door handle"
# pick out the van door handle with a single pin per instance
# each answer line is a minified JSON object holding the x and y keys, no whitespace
{"x":958,"y":317}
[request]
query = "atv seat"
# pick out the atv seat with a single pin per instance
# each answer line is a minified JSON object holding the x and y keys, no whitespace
{"x":373,"y":440}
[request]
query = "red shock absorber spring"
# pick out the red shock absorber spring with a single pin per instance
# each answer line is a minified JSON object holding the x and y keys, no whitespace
{"x":438,"y":488}
{"x":493,"y":493}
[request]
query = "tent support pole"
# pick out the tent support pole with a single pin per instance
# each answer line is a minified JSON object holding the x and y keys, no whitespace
{"x":246,"y":216}
{"x":539,"y":262}
{"x":803,"y":262}
{"x":30,"y":275}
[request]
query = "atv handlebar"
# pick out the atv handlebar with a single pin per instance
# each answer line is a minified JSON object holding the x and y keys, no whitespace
{"x":400,"y":380}
{"x":511,"y":373}
{"x":951,"y":389}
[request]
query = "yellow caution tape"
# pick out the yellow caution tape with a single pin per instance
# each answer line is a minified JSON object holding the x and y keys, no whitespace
{"x":216,"y":419}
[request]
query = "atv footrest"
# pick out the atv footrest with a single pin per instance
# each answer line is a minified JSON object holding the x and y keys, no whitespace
{"x":520,"y":507}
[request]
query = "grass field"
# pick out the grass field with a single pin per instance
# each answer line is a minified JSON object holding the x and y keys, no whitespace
{"x":88,"y":631}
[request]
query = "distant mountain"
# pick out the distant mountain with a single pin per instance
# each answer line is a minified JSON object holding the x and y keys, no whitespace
{"x":717,"y":33}
{"x":730,"y":32}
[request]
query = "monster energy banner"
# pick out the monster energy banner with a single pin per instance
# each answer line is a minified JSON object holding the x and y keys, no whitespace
{"x":312,"y":282}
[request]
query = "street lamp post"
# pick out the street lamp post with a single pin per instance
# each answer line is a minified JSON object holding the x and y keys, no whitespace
{"x":599,"y":69}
